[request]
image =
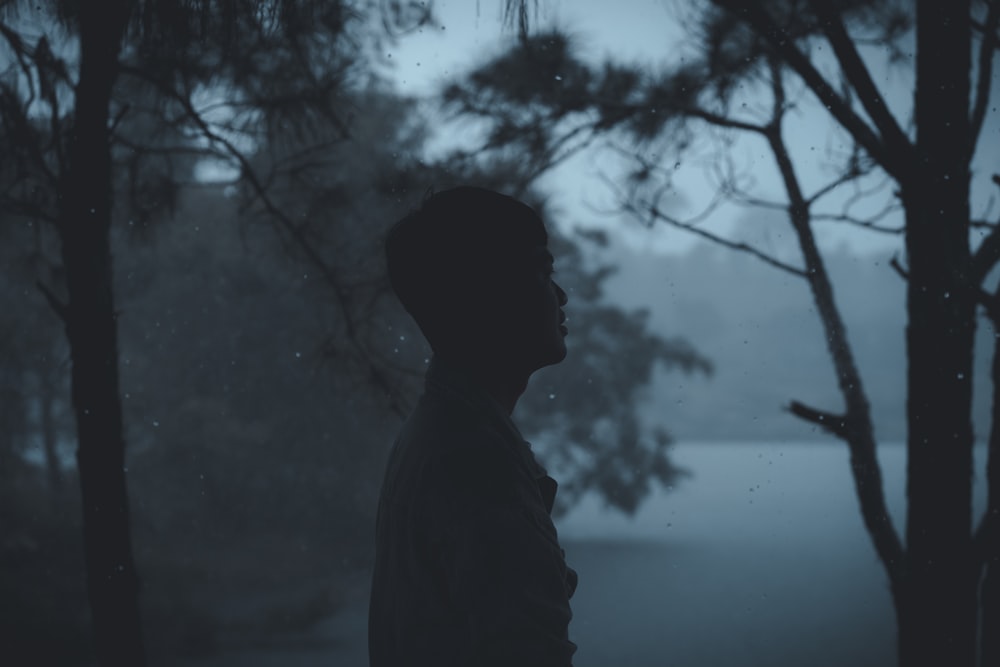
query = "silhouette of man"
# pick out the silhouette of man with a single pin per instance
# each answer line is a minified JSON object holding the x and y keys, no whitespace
{"x":468,"y":569}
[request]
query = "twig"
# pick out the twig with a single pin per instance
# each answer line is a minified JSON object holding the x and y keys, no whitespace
{"x":21,"y":53}
{"x":60,"y":308}
{"x":898,"y":268}
{"x":869,"y":223}
{"x":860,"y":79}
{"x":985,"y":75}
{"x":851,"y":174}
{"x":763,"y":24}
{"x":118,"y":118}
{"x":656,"y":213}
{"x":988,"y":253}
{"x":259,"y":188}
{"x":990,"y":303}
{"x":835,"y":424}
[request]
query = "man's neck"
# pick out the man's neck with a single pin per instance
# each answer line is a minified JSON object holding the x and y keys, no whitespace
{"x":503,"y":382}
{"x":504,"y":388}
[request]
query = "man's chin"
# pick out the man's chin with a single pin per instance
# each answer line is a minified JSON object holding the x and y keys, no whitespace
{"x":558,"y":355}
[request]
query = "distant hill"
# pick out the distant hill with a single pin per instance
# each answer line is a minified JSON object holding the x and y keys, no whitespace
{"x":759,"y":327}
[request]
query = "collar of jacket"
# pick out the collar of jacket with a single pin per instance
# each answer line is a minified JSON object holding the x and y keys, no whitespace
{"x":455,"y":382}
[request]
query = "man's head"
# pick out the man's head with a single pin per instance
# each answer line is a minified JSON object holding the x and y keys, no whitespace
{"x":473,"y":269}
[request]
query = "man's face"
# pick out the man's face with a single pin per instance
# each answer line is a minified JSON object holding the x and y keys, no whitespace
{"x":551,"y":317}
{"x":530,"y":326}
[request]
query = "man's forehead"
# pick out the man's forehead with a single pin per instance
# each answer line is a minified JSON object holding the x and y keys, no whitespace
{"x":530,"y":258}
{"x":535,"y":256}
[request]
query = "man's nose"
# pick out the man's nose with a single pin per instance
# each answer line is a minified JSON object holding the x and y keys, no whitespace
{"x":561,"y":293}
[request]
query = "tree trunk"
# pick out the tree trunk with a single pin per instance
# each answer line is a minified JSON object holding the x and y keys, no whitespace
{"x":989,"y":590}
{"x":84,"y":223}
{"x":858,"y":430}
{"x":855,"y":426}
{"x":936,"y":599}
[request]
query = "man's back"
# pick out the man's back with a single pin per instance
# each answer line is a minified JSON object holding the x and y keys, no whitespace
{"x":468,"y":569}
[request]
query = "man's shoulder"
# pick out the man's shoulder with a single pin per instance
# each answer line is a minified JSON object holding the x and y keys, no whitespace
{"x":445,"y":446}
{"x":442,"y":419}
{"x":443,"y":428}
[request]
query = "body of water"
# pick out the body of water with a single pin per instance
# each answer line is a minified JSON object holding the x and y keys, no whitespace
{"x":758,"y":557}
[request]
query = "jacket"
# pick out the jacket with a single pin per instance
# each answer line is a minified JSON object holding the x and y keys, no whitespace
{"x":468,"y":568}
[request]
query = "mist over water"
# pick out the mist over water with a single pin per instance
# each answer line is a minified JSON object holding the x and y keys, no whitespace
{"x":254,"y":363}
{"x":759,"y":557}
{"x":760,"y":329}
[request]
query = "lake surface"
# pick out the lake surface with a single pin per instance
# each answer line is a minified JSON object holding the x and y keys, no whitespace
{"x":759,"y":557}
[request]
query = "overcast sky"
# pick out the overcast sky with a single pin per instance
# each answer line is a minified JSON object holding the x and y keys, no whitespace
{"x":648,"y":31}
{"x":471,"y":30}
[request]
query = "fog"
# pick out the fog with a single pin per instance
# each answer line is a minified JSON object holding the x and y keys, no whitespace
{"x":761,"y":329}
{"x":265,"y":366}
{"x":759,"y":558}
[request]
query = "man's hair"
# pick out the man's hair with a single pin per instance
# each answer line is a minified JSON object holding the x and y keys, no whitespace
{"x":459,"y":246}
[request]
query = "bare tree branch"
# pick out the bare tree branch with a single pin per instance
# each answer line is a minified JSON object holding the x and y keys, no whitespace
{"x":60,"y":308}
{"x":745,"y":199}
{"x":28,"y":209}
{"x":722,"y":121}
{"x":857,"y":430}
{"x":835,"y":424}
{"x":19,"y":126}
{"x":52,"y":71}
{"x":23,"y":58}
{"x":985,"y":75}
{"x":986,"y":257}
{"x":899,"y":268}
{"x":986,"y":536}
{"x":259,"y":188}
{"x":869,"y":224}
{"x":857,"y":222}
{"x":653,"y":212}
{"x":731,"y":186}
{"x":760,"y":20}
{"x":195,"y":151}
{"x":988,"y":253}
{"x":860,"y":78}
{"x":849,"y":175}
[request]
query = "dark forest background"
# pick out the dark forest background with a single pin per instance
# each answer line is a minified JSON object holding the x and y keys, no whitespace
{"x":199,"y":214}
{"x":265,"y":366}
